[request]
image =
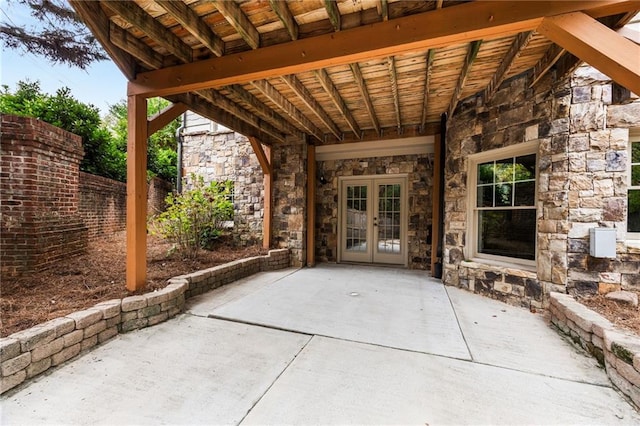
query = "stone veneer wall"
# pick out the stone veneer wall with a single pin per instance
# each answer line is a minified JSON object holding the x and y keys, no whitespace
{"x":225,"y":155}
{"x":289,"y":200}
{"x":581,"y":184}
{"x":29,"y":353}
{"x":420,"y":182}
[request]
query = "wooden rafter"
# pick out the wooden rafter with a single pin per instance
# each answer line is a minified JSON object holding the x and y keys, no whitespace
{"x":281,"y":9}
{"x":364,"y":92}
{"x":383,"y":9}
{"x":412,"y":33}
{"x":238,"y":20}
{"x":231,"y":107}
{"x":164,"y":117}
{"x":127,"y":42}
{"x":135,"y":15}
{"x":334,"y":13}
{"x":264,"y":112}
{"x":543,"y":66}
{"x":472,"y":52}
{"x":505,"y":65}
{"x":98,"y":22}
{"x":332,"y":91}
{"x":427,"y":83}
{"x":394,"y":90}
{"x":306,"y":97}
{"x":191,"y":22}
{"x":281,"y":102}
{"x":596,"y":44}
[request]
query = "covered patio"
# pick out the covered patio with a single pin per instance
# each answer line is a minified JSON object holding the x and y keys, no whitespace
{"x":333,"y":344}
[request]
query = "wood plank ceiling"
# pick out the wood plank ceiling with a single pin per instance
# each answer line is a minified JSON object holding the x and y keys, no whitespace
{"x":380,"y":97}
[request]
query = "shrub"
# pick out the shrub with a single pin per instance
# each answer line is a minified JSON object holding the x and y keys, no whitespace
{"x":194,"y":217}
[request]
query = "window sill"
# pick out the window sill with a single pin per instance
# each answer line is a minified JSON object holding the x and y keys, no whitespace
{"x":527,"y":271}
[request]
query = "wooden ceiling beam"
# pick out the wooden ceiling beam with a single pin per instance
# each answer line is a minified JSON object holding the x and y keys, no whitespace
{"x":506,"y":63}
{"x":191,"y":22}
{"x":364,"y":92}
{"x":394,"y":91}
{"x":427,"y":82}
{"x":281,"y":9}
{"x":474,"y":20}
{"x":238,"y":20}
{"x":219,"y":100}
{"x":264,"y":112}
{"x":98,"y":22}
{"x":127,"y":42}
{"x":281,"y":102}
{"x":160,"y":120}
{"x":138,"y":17}
{"x":547,"y":61}
{"x":596,"y":44}
{"x":332,"y":91}
{"x":334,"y":13}
{"x":472,"y":52}
{"x":306,"y":97}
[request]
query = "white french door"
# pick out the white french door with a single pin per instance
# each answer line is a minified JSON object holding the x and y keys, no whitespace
{"x":373,"y":220}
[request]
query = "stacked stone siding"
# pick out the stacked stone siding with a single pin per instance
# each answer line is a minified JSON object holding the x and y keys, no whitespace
{"x":420,"y":181}
{"x":581,"y":184}
{"x":228,"y":156}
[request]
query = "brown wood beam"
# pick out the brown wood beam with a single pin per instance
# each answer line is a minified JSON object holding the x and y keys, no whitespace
{"x":364,"y":92}
{"x":313,"y":105}
{"x":437,"y":199}
{"x":263,"y":153}
{"x":596,"y":44}
{"x":231,"y":107}
{"x":474,"y":20}
{"x":311,"y":205}
{"x":472,"y":52}
{"x":191,"y":22}
{"x":332,"y":91}
{"x":427,"y":82}
{"x":543,"y":66}
{"x":394,"y":91}
{"x":281,"y":102}
{"x":334,"y":13}
{"x":138,"y":17}
{"x":281,"y":9}
{"x":521,"y":41}
{"x":98,"y":22}
{"x":238,"y":20}
{"x":392,"y":132}
{"x":136,"y":193}
{"x":164,"y":117}
{"x":138,"y":49}
{"x":264,"y":112}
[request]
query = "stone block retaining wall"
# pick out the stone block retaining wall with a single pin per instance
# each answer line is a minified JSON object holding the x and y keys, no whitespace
{"x":28,"y":353}
{"x":618,"y":353}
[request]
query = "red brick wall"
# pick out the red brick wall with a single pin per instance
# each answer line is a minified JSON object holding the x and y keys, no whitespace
{"x":50,"y":210}
{"x":38,"y":195}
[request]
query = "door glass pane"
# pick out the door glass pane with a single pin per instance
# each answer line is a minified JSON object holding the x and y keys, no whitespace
{"x":356,"y":218}
{"x":388,"y":218}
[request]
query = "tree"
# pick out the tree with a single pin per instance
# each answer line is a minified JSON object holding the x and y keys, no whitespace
{"x":57,"y":34}
{"x":102,"y":156}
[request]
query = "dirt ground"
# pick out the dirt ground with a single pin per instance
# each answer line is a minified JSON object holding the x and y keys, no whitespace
{"x":99,"y":275}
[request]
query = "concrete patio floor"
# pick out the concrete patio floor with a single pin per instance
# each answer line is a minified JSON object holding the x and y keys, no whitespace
{"x":335,"y":344}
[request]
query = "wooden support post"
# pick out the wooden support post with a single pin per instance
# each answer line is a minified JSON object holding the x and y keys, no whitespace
{"x":137,"y":193}
{"x":263,"y":152}
{"x":436,"y":232}
{"x":311,"y":205}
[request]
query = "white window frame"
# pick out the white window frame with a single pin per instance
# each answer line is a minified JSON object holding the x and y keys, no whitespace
{"x":634,"y":137}
{"x":518,"y":150}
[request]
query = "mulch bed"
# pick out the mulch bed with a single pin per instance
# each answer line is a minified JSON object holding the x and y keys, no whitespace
{"x":623,"y":315}
{"x":99,"y":275}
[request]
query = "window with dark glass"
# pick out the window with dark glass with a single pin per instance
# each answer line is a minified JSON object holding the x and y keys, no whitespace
{"x":633,"y":215}
{"x":505,"y":207}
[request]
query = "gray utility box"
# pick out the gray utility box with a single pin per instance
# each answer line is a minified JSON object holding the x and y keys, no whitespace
{"x":602,"y":242}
